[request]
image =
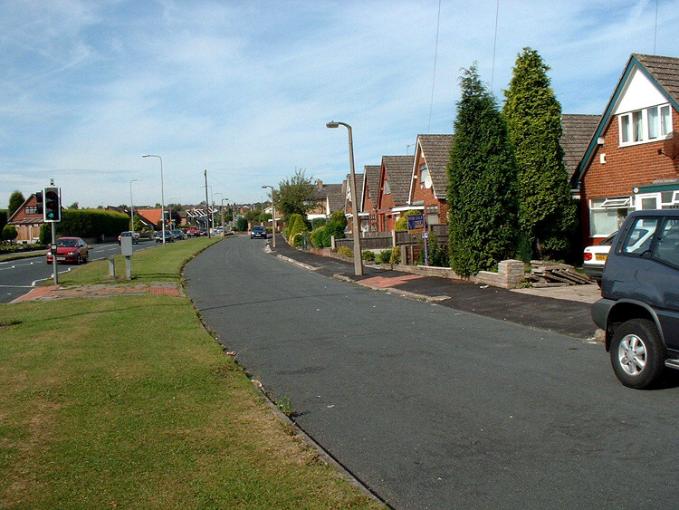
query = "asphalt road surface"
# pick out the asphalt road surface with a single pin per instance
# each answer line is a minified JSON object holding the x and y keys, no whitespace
{"x":432,"y":407}
{"x":17,"y":277}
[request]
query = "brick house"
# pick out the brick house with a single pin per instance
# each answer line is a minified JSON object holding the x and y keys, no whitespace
{"x":27,"y":221}
{"x":632,"y":160}
{"x":429,"y":178}
{"x":369,"y":196}
{"x":394,"y":181}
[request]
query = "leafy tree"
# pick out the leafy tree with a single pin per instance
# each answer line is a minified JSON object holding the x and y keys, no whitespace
{"x":9,"y":233}
{"x":3,"y":219}
{"x":336,"y":225}
{"x":264,"y":217}
{"x":228,"y":215}
{"x":241,"y":224}
{"x":74,"y":205}
{"x":15,"y":201}
{"x":481,"y":176}
{"x":293,"y":195}
{"x":546,"y":211}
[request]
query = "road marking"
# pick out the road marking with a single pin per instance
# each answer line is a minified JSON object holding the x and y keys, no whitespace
{"x":17,"y":286}
{"x":5,"y":268}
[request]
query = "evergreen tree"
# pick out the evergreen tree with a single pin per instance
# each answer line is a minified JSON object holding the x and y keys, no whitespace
{"x":547,"y":213}
{"x":15,"y":201}
{"x":481,"y":174}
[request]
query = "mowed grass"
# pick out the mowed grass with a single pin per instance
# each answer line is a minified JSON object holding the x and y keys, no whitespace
{"x":127,"y":402}
{"x":157,"y":263}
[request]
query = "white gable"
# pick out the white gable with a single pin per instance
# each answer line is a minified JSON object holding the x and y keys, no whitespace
{"x":639,"y":92}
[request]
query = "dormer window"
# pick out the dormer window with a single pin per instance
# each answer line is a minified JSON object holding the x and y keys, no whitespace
{"x":645,"y":125}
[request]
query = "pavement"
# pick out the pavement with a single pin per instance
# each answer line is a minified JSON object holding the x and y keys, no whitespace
{"x":431,"y":406}
{"x":534,"y":309}
{"x":17,"y":277}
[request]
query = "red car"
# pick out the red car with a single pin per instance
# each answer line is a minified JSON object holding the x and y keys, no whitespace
{"x":70,"y":249}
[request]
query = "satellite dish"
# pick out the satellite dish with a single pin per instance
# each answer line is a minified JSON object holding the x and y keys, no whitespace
{"x":426,"y":178}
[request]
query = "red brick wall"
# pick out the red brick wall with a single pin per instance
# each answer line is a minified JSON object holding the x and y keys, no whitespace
{"x":385,"y":217}
{"x":625,"y":168}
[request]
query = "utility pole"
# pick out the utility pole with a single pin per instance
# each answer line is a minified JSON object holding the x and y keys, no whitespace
{"x":207,"y":206}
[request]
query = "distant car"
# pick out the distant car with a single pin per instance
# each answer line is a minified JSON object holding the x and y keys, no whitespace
{"x":258,"y":232}
{"x":192,"y":231}
{"x":178,"y":234}
{"x":158,"y":236}
{"x":133,"y":235}
{"x":639,"y":309}
{"x":70,"y":249}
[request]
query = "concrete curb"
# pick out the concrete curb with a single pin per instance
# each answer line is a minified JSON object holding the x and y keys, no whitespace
{"x":297,"y":263}
{"x":396,"y":292}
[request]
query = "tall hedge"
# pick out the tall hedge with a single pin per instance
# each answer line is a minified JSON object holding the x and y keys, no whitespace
{"x":87,"y":223}
{"x":3,"y":218}
{"x":481,"y":173}
{"x":546,"y":213}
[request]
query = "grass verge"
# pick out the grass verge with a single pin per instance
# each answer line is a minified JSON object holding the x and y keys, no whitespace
{"x":24,"y":255}
{"x":128,"y":402}
{"x":155,"y":264}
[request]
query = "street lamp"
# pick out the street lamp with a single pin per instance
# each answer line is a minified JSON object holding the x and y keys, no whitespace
{"x":131,"y":205}
{"x":273,"y":216}
{"x":358,"y":263}
{"x":221,"y":210}
{"x":162,"y":192}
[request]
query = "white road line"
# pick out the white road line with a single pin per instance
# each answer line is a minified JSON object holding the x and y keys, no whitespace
{"x":5,"y":268}
{"x":16,"y":286}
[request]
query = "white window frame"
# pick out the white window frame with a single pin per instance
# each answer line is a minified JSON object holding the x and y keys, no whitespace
{"x":644,"y":125}
{"x":607,"y":204}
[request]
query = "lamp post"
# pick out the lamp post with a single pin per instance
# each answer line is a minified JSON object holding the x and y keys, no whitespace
{"x":213,"y":204}
{"x":221,"y":210}
{"x":358,"y":263}
{"x":132,"y":205}
{"x":273,"y":216}
{"x":162,"y":193}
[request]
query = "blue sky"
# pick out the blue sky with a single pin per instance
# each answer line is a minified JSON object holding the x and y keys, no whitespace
{"x":244,"y":89}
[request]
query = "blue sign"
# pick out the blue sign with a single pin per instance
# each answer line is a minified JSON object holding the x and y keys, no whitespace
{"x":416,"y":221}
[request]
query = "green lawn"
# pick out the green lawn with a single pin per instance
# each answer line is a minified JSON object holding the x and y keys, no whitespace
{"x":158,"y":263}
{"x":127,"y":402}
{"x":21,"y":255}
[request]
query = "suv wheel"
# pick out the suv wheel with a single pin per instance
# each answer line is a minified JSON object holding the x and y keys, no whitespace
{"x":637,"y":354}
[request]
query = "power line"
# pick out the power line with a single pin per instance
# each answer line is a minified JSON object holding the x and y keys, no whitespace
{"x":433,"y":78}
{"x":492,"y":68}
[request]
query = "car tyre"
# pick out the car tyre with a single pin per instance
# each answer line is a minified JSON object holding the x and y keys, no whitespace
{"x":637,"y":353}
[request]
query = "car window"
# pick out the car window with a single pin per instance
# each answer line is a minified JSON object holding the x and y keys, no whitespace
{"x":640,"y":236}
{"x":667,"y":247}
{"x":66,"y":242}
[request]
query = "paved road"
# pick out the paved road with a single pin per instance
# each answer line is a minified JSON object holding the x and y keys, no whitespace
{"x":437,"y":408}
{"x":18,"y":276}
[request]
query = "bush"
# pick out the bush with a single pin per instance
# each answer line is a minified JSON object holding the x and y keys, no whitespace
{"x":336,"y":224}
{"x":368,"y":256}
{"x":9,"y":233}
{"x":87,"y":223}
{"x":385,"y":256}
{"x":317,"y":222}
{"x":402,"y":222}
{"x":296,"y":226}
{"x":241,"y":224}
{"x":345,"y":251}
{"x":320,"y":238}
{"x":3,"y":219}
{"x":395,"y":256}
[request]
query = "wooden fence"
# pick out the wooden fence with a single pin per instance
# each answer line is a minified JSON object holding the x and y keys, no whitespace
{"x":385,"y":240}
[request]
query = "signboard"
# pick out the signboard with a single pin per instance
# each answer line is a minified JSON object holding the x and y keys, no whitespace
{"x":415,"y":222}
{"x":126,"y":246}
{"x":425,"y":235}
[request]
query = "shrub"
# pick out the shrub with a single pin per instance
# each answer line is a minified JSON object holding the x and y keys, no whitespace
{"x":385,"y":256}
{"x":402,"y":222}
{"x":3,"y":219}
{"x":336,"y":224}
{"x":317,"y":222}
{"x":368,"y":256}
{"x":9,"y":233}
{"x":87,"y":223}
{"x":345,"y":251}
{"x":241,"y":224}
{"x":395,"y":256}
{"x":296,"y":226}
{"x":320,"y":238}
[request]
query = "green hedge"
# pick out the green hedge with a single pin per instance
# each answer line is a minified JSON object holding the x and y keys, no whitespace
{"x":87,"y":223}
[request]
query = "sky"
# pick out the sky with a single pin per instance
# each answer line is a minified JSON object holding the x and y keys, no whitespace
{"x":244,"y":89}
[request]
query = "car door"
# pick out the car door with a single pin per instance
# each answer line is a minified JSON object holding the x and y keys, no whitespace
{"x":666,"y":276}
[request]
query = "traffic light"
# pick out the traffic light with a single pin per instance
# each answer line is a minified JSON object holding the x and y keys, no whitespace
{"x":52,"y":205}
{"x":38,"y":202}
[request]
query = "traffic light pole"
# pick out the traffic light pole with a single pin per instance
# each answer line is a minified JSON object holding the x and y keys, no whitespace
{"x":53,"y":249}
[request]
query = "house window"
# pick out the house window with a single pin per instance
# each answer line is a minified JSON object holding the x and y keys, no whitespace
{"x":607,"y":214}
{"x":645,"y":125}
{"x":387,"y":189}
{"x":31,"y":210}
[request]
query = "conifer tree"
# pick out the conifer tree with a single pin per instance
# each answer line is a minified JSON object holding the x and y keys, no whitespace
{"x":481,"y":174}
{"x":547,"y":213}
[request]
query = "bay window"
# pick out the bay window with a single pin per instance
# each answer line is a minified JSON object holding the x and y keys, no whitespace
{"x":607,"y":214}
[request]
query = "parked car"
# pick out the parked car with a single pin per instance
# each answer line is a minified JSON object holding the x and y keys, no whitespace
{"x":594,"y":258}
{"x":133,"y":235}
{"x":178,"y":234}
{"x":258,"y":232}
{"x":192,"y":231}
{"x":639,"y":309}
{"x":158,"y":236}
{"x":70,"y":249}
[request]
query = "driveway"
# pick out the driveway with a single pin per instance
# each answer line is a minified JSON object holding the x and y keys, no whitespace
{"x":434,"y":407}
